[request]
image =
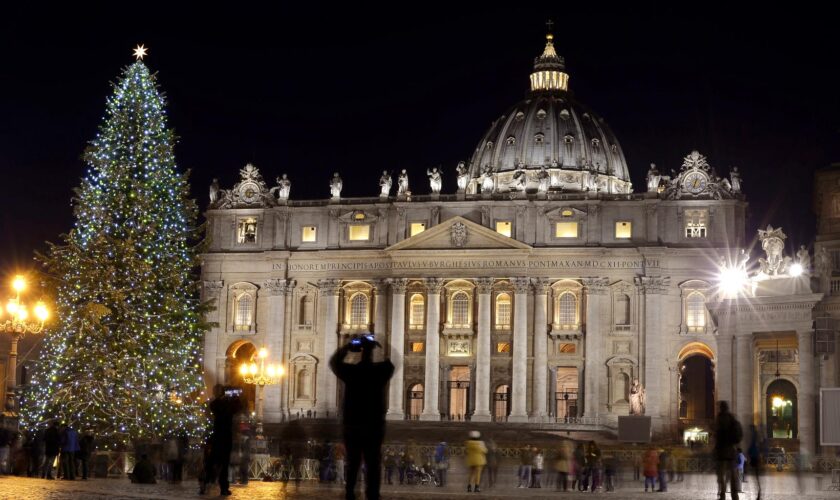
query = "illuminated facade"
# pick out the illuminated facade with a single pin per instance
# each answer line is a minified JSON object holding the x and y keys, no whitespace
{"x":537,"y":292}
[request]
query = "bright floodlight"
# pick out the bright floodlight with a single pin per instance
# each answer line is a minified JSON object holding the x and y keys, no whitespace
{"x":243,"y":369}
{"x":41,"y":311}
{"x":19,"y":283}
{"x":778,"y":402}
{"x":732,"y":281}
{"x":796,"y":270}
{"x":263,"y":352}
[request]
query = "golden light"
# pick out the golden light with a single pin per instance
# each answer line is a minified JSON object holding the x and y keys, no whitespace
{"x":41,"y":311}
{"x":19,"y":283}
{"x":280,"y":370}
{"x":263,"y":352}
{"x":270,"y":371}
{"x":12,"y":307}
{"x":253,"y":369}
{"x":22,"y":313}
{"x":778,"y":402}
{"x":243,"y":369}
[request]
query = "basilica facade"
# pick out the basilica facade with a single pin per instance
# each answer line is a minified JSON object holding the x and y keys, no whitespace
{"x":538,"y":288}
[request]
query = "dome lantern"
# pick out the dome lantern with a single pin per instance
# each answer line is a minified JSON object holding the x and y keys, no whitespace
{"x":549,"y":70}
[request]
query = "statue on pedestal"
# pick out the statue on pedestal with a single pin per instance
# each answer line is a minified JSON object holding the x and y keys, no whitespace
{"x":804,"y":259}
{"x":637,"y":398}
{"x":487,"y":182}
{"x":463,"y":176}
{"x":773,"y":244}
{"x":824,"y":265}
{"x":385,"y":183}
{"x":520,"y":178}
{"x":335,"y":186}
{"x":214,"y":191}
{"x":735,"y":180}
{"x":283,"y":188}
{"x":544,"y":179}
{"x":653,"y":179}
{"x":435,"y":180}
{"x":402,"y":184}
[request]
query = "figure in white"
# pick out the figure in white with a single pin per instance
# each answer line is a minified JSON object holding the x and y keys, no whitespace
{"x":463,"y":176}
{"x":823,"y":263}
{"x":283,"y":188}
{"x":743,"y":258}
{"x":804,"y":259}
{"x":385,"y":183}
{"x":335,"y":186}
{"x":653,"y":179}
{"x":214,"y":191}
{"x":402,"y":184}
{"x":487,"y":184}
{"x":435,"y":180}
{"x":543,"y":178}
{"x":520,"y":178}
{"x":773,"y":244}
{"x":637,"y":398}
{"x":735,"y":180}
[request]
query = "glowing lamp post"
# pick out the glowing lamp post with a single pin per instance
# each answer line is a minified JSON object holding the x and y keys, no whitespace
{"x":17,"y":321}
{"x":260,"y":375}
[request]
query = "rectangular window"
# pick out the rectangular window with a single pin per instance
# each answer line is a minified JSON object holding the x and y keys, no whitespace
{"x":566,"y":230}
{"x":623,"y":230}
{"x":359,"y":232}
{"x":417,"y":346}
{"x":417,"y":228}
{"x":504,"y":228}
{"x":695,"y":223}
{"x":247,"y":231}
{"x":503,"y":347}
{"x":309,"y":234}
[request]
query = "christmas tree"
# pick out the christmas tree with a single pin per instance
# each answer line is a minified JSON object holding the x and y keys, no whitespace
{"x":124,"y":355}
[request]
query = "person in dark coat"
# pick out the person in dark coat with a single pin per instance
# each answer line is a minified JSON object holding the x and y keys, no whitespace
{"x":728,"y":434}
{"x":224,"y":408}
{"x":69,"y":447}
{"x":144,"y":471}
{"x":363,"y":412}
{"x":85,"y":450}
{"x":52,"y":446}
{"x":36,"y":453}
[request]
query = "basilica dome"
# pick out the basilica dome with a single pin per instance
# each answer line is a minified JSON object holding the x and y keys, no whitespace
{"x":549,"y":132}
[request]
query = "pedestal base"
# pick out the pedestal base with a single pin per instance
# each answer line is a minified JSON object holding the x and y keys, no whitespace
{"x":517,"y":419}
{"x":394,"y":416}
{"x":634,"y":428}
{"x":481,"y":417}
{"x":430,"y":417}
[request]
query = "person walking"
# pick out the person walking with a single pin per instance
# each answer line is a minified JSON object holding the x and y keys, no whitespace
{"x":756,"y":457}
{"x":363,"y":416}
{"x":69,"y":448}
{"x":561,"y":466}
{"x":539,"y":462}
{"x":441,"y":462}
{"x":86,"y":446}
{"x":727,"y":434}
{"x":492,"y":463}
{"x":650,"y":466}
{"x":526,"y":459}
{"x":52,"y":447}
{"x":339,"y":455}
{"x":577,"y":464}
{"x":740,"y":461}
{"x":476,"y":453}
{"x":664,"y":464}
{"x":593,"y":464}
{"x":610,"y":465}
{"x":390,"y":465}
{"x":224,"y":408}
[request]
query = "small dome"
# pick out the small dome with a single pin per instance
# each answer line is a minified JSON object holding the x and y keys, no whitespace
{"x":550,"y":129}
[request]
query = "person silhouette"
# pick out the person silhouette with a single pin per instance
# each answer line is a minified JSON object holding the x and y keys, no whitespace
{"x":363,"y":412}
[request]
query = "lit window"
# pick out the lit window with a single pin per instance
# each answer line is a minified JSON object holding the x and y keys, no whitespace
{"x":695,"y":311}
{"x":417,"y":228}
{"x":623,"y":230}
{"x":359,"y":311}
{"x":503,"y":311}
{"x":503,"y":347}
{"x":244,"y":312}
{"x":567,"y":311}
{"x":461,"y":310}
{"x":504,"y":228}
{"x":566,"y":348}
{"x":359,"y":232}
{"x":247,"y":232}
{"x":417,"y":346}
{"x":695,"y":223}
{"x":309,"y":234}
{"x":566,"y":230}
{"x":416,"y":311}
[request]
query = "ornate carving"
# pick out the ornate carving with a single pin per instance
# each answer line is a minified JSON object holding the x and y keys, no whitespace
{"x":434,"y":285}
{"x":521,"y":284}
{"x":290,"y":286}
{"x":380,"y":287}
{"x":212,"y":289}
{"x":398,"y":285}
{"x":484,"y":285}
{"x":435,"y":214}
{"x":699,"y":180}
{"x":458,"y":234}
{"x":541,"y":285}
{"x":596,"y":285}
{"x":520,"y":211}
{"x":773,"y":244}
{"x":653,"y":284}
{"x":250,"y":191}
{"x":275,"y":286}
{"x":329,"y":287}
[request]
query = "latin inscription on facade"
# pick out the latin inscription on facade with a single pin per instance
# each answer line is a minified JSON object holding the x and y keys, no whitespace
{"x":319,"y":266}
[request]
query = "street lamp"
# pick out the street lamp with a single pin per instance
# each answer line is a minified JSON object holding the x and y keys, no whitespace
{"x":17,"y":322}
{"x":260,"y":376}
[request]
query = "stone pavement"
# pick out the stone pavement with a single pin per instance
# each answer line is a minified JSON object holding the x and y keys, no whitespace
{"x":695,"y":487}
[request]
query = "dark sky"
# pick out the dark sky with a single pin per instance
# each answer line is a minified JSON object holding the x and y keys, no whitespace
{"x":312,"y":91}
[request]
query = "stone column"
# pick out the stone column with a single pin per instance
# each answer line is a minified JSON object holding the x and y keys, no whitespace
{"x":432,"y":382}
{"x":212,"y":291}
{"x":541,"y":286}
{"x":327,"y":383}
{"x":656,"y":393}
{"x":807,"y":420}
{"x":596,"y":290}
{"x":743,"y":407}
{"x":380,"y":310}
{"x":519,"y":393}
{"x":484,"y":287}
{"x":397,"y":345}
{"x":276,"y":289}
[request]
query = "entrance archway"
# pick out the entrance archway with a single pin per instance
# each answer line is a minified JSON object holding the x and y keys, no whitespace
{"x":459,"y":392}
{"x":239,"y":353}
{"x":782,"y":409}
{"x":501,"y":403}
{"x":696,"y":385}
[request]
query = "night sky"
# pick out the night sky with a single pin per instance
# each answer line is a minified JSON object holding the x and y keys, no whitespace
{"x":362,"y":90}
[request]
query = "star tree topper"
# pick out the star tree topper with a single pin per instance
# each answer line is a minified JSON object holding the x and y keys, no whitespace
{"x":140,"y":52}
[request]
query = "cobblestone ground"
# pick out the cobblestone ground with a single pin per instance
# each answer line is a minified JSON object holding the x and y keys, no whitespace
{"x":695,"y":487}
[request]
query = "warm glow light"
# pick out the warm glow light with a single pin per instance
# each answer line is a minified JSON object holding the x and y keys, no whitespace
{"x":263,"y":352}
{"x":732,"y":281}
{"x":41,"y":311}
{"x":280,"y":370}
{"x":253,"y":369}
{"x":243,"y":369}
{"x":19,"y":283}
{"x":270,"y":371}
{"x":566,"y":230}
{"x":12,"y":307}
{"x":796,"y":270}
{"x":778,"y":402}
{"x":22,"y":313}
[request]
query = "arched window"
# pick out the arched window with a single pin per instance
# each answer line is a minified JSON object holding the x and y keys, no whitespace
{"x":417,"y":311}
{"x":695,"y":312}
{"x":622,"y":310}
{"x":306,"y":312}
{"x":243,"y":312}
{"x":415,"y":401}
{"x":567,"y":311}
{"x":503,"y":308}
{"x":461,"y":310}
{"x":359,"y":310}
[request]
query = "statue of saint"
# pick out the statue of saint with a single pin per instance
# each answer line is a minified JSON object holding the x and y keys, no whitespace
{"x":824,"y":264}
{"x":385,"y":183}
{"x":637,"y":398}
{"x":735,"y":180}
{"x":402,"y":184}
{"x":435,"y":179}
{"x":804,"y":259}
{"x":335,"y":186}
{"x":544,"y":179}
{"x":653,"y":179}
{"x":283,"y":188}
{"x":463,"y":176}
{"x":520,"y":178}
{"x":214,"y":191}
{"x":487,"y":181}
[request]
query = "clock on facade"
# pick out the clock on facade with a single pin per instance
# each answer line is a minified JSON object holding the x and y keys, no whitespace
{"x":695,"y":182}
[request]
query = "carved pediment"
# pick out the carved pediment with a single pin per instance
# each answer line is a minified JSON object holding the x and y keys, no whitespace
{"x":459,"y":233}
{"x":564,"y":213}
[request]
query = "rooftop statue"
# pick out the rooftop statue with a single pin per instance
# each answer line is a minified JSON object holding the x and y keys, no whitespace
{"x":402,"y":184}
{"x":487,"y":182}
{"x":385,"y":183}
{"x":214,"y":191}
{"x":336,"y":184}
{"x":544,"y":180}
{"x":463,"y":176}
{"x":773,"y":244}
{"x":653,"y":179}
{"x":435,"y":180}
{"x":735,"y":180}
{"x":283,"y":187}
